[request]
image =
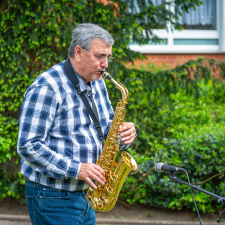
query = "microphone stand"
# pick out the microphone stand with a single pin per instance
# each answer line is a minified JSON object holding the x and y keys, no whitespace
{"x":221,"y":199}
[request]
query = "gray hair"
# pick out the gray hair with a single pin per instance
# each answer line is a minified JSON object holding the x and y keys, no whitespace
{"x":84,"y":33}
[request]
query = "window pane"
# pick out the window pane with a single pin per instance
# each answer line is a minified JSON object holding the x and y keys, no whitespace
{"x":162,"y":42}
{"x":204,"y":18}
{"x":178,"y":41}
{"x":136,"y":7}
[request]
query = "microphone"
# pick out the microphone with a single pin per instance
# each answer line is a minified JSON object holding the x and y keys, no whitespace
{"x":161,"y":167}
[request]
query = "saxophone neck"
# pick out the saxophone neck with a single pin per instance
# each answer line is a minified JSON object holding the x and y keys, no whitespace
{"x":121,"y":87}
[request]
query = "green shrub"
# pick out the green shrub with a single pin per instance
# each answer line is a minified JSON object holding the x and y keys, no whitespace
{"x":193,"y":139}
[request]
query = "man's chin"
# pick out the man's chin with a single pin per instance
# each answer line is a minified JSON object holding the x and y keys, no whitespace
{"x":97,"y":75}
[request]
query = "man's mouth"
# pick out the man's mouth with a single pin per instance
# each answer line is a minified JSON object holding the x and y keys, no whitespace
{"x":100,"y":71}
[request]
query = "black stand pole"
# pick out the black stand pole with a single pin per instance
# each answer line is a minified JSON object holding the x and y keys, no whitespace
{"x":221,"y":199}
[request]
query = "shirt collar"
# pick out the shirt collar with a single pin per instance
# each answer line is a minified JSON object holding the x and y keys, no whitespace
{"x":83,"y":85}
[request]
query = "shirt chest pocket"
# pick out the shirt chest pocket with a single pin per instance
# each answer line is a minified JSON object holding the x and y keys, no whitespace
{"x":73,"y":119}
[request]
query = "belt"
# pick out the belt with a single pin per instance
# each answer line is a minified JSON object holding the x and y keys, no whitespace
{"x":82,"y":191}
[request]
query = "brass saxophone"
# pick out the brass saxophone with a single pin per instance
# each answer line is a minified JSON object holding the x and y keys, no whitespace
{"x":105,"y":196}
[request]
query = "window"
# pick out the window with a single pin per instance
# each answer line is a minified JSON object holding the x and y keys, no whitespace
{"x":203,"y":18}
{"x":204,"y":32}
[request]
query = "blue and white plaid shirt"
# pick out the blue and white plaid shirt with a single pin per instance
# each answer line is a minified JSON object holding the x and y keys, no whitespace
{"x":56,"y":133}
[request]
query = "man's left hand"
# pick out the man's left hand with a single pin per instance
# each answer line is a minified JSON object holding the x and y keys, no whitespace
{"x":128,"y":133}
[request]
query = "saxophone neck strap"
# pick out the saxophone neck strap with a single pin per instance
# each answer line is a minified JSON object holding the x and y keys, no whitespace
{"x":69,"y":71}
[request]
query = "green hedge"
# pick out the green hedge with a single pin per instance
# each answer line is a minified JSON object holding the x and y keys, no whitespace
{"x":185,"y":128}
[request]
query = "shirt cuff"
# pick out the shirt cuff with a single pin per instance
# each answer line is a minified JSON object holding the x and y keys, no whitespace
{"x":125,"y":146}
{"x":74,"y":169}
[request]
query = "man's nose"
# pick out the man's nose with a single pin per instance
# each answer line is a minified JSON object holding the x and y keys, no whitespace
{"x":105,"y":63}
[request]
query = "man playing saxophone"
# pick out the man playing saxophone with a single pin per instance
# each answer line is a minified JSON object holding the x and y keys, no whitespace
{"x":57,"y":141}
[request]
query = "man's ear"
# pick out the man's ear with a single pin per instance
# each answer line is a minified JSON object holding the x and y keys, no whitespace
{"x":78,"y":53}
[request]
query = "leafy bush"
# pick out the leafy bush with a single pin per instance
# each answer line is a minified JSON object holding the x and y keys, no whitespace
{"x":192,"y":137}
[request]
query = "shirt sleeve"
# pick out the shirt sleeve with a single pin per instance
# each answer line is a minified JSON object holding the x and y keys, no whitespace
{"x":38,"y":111}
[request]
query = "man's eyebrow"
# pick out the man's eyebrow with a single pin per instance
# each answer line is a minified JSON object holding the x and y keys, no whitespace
{"x":103,"y":54}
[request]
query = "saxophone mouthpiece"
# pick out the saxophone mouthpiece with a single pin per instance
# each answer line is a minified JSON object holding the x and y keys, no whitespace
{"x":105,"y":75}
{"x":102,"y":71}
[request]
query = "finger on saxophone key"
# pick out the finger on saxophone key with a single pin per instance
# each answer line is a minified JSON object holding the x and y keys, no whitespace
{"x":89,"y":171}
{"x":91,"y":183}
{"x":128,"y":132}
{"x":98,"y":175}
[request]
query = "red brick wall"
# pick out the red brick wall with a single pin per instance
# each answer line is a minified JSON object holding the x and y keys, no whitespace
{"x":172,"y":60}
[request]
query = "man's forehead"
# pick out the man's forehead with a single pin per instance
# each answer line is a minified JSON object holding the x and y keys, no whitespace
{"x":99,"y":44}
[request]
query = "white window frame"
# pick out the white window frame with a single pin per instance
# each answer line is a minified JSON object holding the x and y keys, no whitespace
{"x":219,"y":34}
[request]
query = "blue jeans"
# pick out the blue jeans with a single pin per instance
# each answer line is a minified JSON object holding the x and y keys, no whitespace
{"x":49,"y":206}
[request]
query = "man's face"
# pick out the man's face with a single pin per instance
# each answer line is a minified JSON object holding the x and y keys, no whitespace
{"x":91,"y":64}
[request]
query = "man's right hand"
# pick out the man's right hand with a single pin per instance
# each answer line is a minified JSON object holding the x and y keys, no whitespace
{"x":91,"y":170}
